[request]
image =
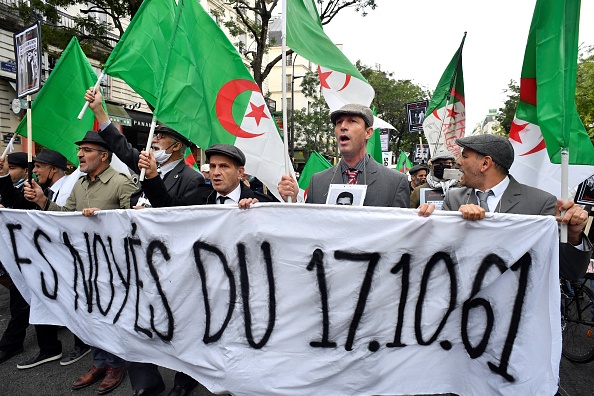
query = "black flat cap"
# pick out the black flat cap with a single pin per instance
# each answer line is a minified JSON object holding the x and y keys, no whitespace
{"x":227,"y":150}
{"x":93,"y":138}
{"x":417,"y":168}
{"x":497,"y":147}
{"x":353,"y":109}
{"x":51,"y":157}
{"x":174,"y":134}
{"x":18,"y":159}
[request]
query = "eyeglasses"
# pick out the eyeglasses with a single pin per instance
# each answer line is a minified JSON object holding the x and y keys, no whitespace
{"x":88,"y":150}
{"x":161,"y":135}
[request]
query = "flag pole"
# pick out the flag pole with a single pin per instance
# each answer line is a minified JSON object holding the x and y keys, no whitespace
{"x":29,"y":140}
{"x":564,"y":190}
{"x":452,"y":82}
{"x":10,"y":147}
{"x":149,"y":143}
{"x":86,"y":106}
{"x":284,"y":86}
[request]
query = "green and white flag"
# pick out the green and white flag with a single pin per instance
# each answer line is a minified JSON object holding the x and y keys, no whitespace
{"x":200,"y":87}
{"x":445,"y":120}
{"x":546,"y":117}
{"x":316,"y":163}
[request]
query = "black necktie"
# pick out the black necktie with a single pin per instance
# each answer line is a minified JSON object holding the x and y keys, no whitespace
{"x":222,"y":199}
{"x":50,"y":195}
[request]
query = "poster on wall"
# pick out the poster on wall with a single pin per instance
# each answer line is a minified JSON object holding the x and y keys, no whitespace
{"x":27,"y":50}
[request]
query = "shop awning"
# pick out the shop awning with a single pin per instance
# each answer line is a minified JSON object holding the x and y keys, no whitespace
{"x":117,"y":114}
{"x":140,"y":121}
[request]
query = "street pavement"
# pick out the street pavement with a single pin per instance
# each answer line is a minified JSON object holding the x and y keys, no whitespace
{"x":51,"y":379}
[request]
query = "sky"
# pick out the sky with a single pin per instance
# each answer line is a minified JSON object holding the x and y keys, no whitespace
{"x":416,"y":40}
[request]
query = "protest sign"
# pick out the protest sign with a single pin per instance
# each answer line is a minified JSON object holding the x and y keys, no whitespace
{"x":302,"y":299}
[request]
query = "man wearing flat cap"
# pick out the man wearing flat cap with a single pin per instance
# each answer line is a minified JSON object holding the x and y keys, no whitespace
{"x":418,"y":175}
{"x":169,"y":181}
{"x":102,"y":188}
{"x":12,"y":179}
{"x":353,"y":126}
{"x":485,"y":164}
{"x":226,"y":164}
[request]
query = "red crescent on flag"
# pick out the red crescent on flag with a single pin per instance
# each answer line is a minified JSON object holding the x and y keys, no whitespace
{"x":224,"y":106}
{"x":346,"y":82}
{"x":540,"y":146}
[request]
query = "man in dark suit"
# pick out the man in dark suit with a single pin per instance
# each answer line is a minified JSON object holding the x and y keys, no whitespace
{"x":485,"y":164}
{"x":172,"y":183}
{"x":353,"y":128}
{"x":226,"y":171}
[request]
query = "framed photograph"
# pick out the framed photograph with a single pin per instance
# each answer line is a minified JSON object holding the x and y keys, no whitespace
{"x":346,"y":194}
{"x":585,"y":192}
{"x":27,"y":50}
{"x":416,"y":112}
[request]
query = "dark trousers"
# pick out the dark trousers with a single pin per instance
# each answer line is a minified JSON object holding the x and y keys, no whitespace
{"x":14,"y":335}
{"x":146,"y":375}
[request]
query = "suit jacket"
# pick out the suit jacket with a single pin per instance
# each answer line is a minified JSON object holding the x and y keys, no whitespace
{"x":385,"y":187}
{"x":178,"y":188}
{"x":12,"y":197}
{"x":522,"y":199}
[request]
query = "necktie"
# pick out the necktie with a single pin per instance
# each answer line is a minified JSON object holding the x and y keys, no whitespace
{"x":483,"y":199}
{"x":352,"y":174}
{"x":50,"y":195}
{"x":222,"y":199}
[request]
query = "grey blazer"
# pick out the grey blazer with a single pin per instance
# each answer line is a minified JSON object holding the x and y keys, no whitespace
{"x":522,"y":199}
{"x":385,"y":187}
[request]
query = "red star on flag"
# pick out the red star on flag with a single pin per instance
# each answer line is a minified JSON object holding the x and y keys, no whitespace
{"x":323,"y":77}
{"x":257,"y":112}
{"x":452,"y":113}
{"x":515,"y":130}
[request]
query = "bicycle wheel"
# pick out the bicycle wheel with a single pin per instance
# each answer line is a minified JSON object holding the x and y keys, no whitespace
{"x":577,"y":324}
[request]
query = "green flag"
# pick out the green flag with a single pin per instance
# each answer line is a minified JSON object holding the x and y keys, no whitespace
{"x":316,"y":163}
{"x":138,"y":58}
{"x":404,"y":164}
{"x":547,"y":86}
{"x":198,"y":84}
{"x":374,"y":144}
{"x":54,"y":111}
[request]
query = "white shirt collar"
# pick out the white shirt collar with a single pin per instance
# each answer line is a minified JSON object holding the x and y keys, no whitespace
{"x":234,"y":196}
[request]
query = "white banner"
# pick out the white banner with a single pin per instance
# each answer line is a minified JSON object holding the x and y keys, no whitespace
{"x":303,"y":299}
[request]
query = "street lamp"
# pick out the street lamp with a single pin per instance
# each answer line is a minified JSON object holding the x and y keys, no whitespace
{"x":292,"y":131}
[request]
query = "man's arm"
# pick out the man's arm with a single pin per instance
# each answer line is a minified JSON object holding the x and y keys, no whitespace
{"x":116,"y":141}
{"x":402,"y":195}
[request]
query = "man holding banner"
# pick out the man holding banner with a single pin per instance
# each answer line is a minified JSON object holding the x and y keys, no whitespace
{"x":101,"y":188}
{"x":485,"y":163}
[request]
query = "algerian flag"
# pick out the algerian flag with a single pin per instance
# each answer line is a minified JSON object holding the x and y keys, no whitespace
{"x":374,"y":144}
{"x":190,"y":160}
{"x":316,"y":163}
{"x":445,"y":120}
{"x":54,"y":110}
{"x":546,"y":111}
{"x":199,"y":86}
{"x":341,"y":83}
{"x":404,"y":164}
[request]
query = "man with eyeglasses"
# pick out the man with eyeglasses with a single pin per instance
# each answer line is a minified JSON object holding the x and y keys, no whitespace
{"x":177,"y":184}
{"x":169,"y":181}
{"x":102,"y":188}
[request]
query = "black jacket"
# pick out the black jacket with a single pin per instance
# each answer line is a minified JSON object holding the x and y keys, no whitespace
{"x":178,"y":188}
